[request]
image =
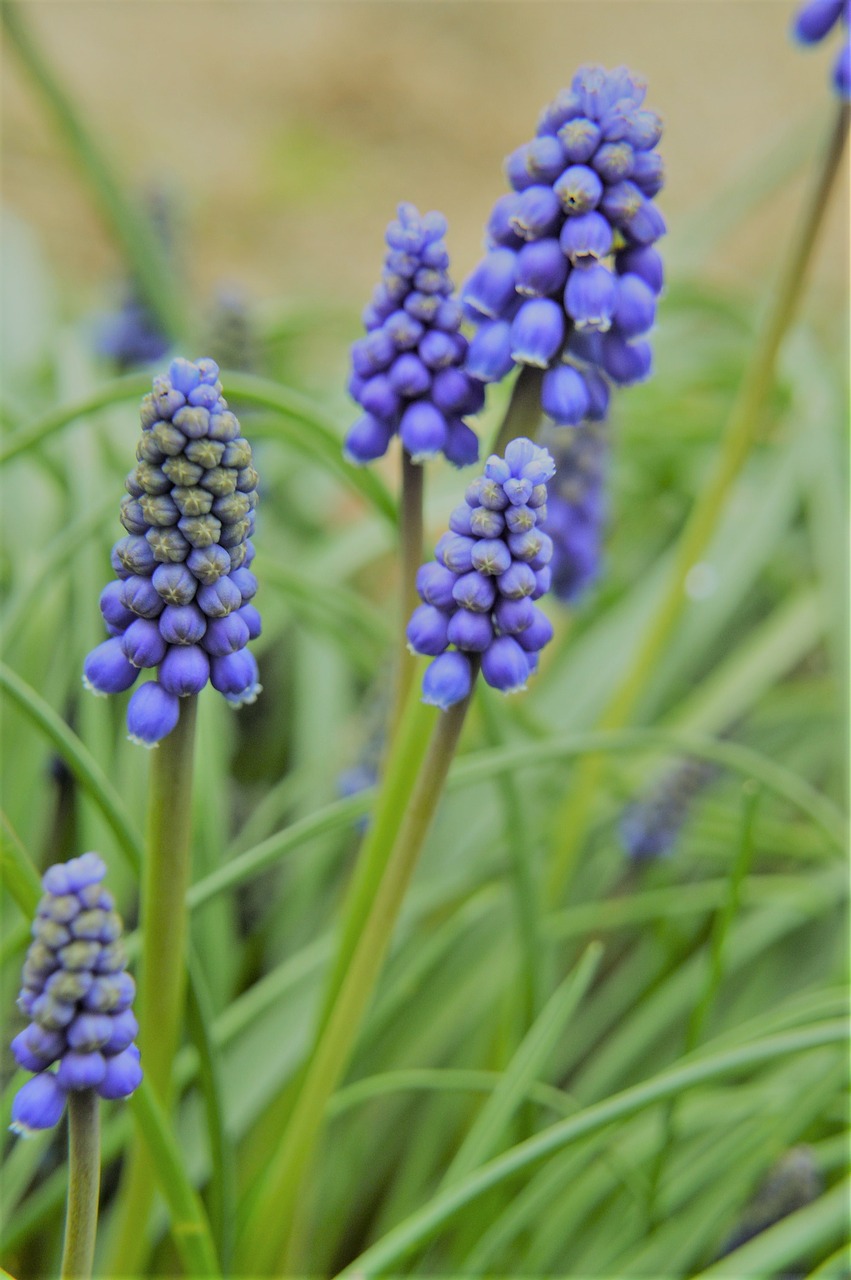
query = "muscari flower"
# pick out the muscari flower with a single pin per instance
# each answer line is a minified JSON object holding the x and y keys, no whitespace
{"x":78,"y":996}
{"x":816,"y":20}
{"x":651,"y":825}
{"x":570,"y":281}
{"x":576,"y":508}
{"x":407,"y":373}
{"x":479,"y":590}
{"x":182,"y":598}
{"x":132,"y":334}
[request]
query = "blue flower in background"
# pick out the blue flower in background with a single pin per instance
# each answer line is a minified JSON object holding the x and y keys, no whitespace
{"x":651,"y":826}
{"x":78,"y":996}
{"x":814,"y":21}
{"x":577,"y":508}
{"x":479,"y":590}
{"x":571,"y":277}
{"x":182,"y":598}
{"x":407,"y":373}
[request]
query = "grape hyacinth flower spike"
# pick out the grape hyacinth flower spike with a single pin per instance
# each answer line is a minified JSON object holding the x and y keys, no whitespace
{"x":479,"y":590}
{"x":407,"y":373}
{"x":814,"y":21}
{"x":78,"y":996}
{"x":576,"y":509}
{"x":182,"y":599}
{"x":650,"y":826}
{"x":570,"y":280}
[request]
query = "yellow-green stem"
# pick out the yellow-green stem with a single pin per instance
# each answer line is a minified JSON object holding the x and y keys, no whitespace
{"x":78,"y":1252}
{"x":162,"y":980}
{"x":410,"y":557}
{"x":573,"y":815}
{"x":523,"y":415}
{"x":267,"y":1234}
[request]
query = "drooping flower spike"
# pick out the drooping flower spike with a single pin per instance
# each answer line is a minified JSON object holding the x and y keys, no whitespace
{"x":407,"y":373}
{"x":576,"y":508}
{"x":570,"y":280}
{"x":478,"y":592}
{"x":814,"y":21}
{"x":181,"y":601}
{"x":78,"y":996}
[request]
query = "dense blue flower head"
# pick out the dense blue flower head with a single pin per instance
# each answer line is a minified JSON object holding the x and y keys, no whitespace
{"x":570,"y":279}
{"x":577,"y":508}
{"x":488,"y":569}
{"x":814,"y":21}
{"x":651,"y":825}
{"x":181,"y":600}
{"x":78,"y":997}
{"x":407,"y":373}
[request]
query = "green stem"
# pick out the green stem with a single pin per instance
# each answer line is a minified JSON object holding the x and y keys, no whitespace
{"x":573,"y":815}
{"x":162,"y":985}
{"x":270,"y":1225}
{"x":523,"y":415}
{"x":78,"y":1252}
{"x":411,"y":557}
{"x":154,"y":277}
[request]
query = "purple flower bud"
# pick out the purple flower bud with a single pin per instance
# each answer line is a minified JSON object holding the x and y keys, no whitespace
{"x":152,"y":713}
{"x":81,"y":1070}
{"x":24,"y":1056}
{"x":541,"y":269}
{"x":564,"y":395}
{"x":438,"y":349}
{"x":378,"y":397}
{"x":579,"y":139}
{"x":505,"y":665}
{"x":537,"y":332}
{"x":435,"y":584}
{"x":447,"y":680}
{"x":635,"y":309}
{"x":106,"y":670}
{"x":236,"y":676}
{"x":590,"y":297}
{"x":539,"y":161}
{"x":648,"y":172}
{"x":367,"y":440}
{"x":645,"y":263}
{"x":123,"y":1031}
{"x":455,"y":552}
{"x":89,"y":1032}
{"x":422,"y":430}
{"x":208,"y":564}
{"x":38,"y":1104}
{"x":566,"y":106}
{"x":646,"y":226}
{"x":115,"y":613}
{"x":614,"y":161}
{"x":122,"y":1076}
{"x":517,"y":581}
{"x":225,"y":635}
{"x":184,"y":670}
{"x":474,"y":591}
{"x":134,"y":555}
{"x":626,"y":362}
{"x":644,"y":131}
{"x":408,"y":376}
{"x":426,"y":630}
{"x":372,"y":354}
{"x":587,"y":236}
{"x":461,"y":520}
{"x":489,"y":356}
{"x":219,"y":598}
{"x":174,"y":583}
{"x":183,"y":624}
{"x":815,"y":19}
{"x":472,"y":632}
{"x":490,"y":556}
{"x":490,"y":288}
{"x":537,"y":213}
{"x":450,"y":390}
{"x":143,"y":644}
{"x":579,"y":189}
{"x":499,"y":229}
{"x":513,"y":616}
{"x":538,"y":632}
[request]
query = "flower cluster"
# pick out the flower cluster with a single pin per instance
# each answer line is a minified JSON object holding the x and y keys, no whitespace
{"x":650,"y":826}
{"x":131,"y":335}
{"x":478,"y":591}
{"x":77,"y":993}
{"x":814,"y":21}
{"x":571,"y":278}
{"x":407,"y":372}
{"x":576,"y":509}
{"x":181,"y":598}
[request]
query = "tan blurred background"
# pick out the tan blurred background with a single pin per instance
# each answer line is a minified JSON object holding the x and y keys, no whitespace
{"x":292,"y":128}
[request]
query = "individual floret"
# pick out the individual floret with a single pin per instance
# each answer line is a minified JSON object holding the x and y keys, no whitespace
{"x":407,"y":373}
{"x":78,"y":996}
{"x":181,"y":602}
{"x":478,"y":593}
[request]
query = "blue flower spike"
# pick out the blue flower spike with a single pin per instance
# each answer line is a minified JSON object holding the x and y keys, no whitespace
{"x":571,"y":277}
{"x":78,"y":996}
{"x":478,"y":593}
{"x":180,"y":603}
{"x":408,"y":372}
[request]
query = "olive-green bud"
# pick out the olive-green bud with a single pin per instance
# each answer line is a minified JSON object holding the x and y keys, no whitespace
{"x":181,"y":471}
{"x":207,"y":453}
{"x":168,"y":439}
{"x":201,"y":531}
